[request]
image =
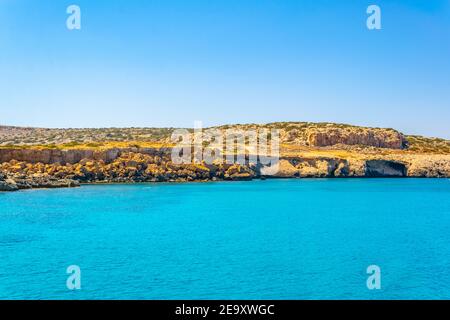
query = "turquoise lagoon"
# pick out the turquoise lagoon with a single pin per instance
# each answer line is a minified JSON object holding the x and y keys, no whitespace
{"x":272,"y":239}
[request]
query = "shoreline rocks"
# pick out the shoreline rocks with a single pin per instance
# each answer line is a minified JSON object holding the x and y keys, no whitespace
{"x":157,"y":167}
{"x":8,"y":185}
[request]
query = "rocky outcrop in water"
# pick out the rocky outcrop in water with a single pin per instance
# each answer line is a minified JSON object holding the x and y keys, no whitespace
{"x":157,"y":167}
{"x":7,"y":184}
{"x":17,"y":181}
{"x":129,"y":167}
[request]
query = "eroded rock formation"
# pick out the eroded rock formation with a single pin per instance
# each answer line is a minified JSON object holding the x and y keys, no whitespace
{"x":385,"y":168}
{"x":374,"y":137}
{"x":67,"y":157}
{"x":71,"y":156}
{"x":139,"y":167}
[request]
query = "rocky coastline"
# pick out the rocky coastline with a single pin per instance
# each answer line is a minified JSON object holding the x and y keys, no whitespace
{"x":155,"y":165}
{"x":55,"y":158}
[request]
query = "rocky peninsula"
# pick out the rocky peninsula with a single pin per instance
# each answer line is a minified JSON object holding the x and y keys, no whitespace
{"x":54,"y":158}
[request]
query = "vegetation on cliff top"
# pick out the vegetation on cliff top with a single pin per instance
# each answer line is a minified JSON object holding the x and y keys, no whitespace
{"x":295,"y":137}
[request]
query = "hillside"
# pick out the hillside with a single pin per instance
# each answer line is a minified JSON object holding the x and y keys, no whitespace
{"x":301,"y":134}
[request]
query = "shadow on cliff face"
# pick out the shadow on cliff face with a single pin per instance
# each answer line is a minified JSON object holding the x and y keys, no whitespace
{"x":384,"y":168}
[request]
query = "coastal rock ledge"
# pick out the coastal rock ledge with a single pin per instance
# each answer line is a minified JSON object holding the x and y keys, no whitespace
{"x":17,"y":182}
{"x":156,"y":166}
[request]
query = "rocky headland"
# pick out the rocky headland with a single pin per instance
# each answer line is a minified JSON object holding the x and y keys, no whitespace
{"x":54,"y":158}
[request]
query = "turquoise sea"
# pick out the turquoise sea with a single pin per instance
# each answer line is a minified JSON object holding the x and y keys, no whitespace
{"x":272,"y":239}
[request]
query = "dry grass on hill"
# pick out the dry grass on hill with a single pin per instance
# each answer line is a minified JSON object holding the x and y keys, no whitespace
{"x":295,"y":139}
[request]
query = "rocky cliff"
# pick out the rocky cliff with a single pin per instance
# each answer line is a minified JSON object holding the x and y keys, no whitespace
{"x":139,"y":167}
{"x":71,"y":156}
{"x":380,"y":138}
{"x":307,"y":151}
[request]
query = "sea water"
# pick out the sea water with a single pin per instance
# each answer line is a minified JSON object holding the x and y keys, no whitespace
{"x":272,"y":239}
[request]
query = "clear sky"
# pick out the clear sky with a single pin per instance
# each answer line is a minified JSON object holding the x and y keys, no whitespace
{"x":171,"y":62}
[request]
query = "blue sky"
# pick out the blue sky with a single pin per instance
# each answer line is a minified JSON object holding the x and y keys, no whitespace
{"x":171,"y":62}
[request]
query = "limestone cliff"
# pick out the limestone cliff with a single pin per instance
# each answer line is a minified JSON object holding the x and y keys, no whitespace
{"x":308,"y":150}
{"x":380,"y":138}
{"x":71,"y":156}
